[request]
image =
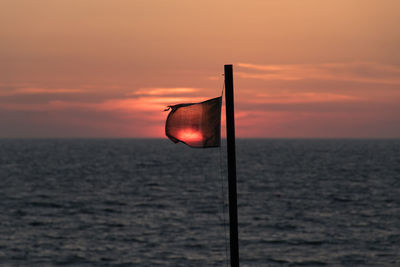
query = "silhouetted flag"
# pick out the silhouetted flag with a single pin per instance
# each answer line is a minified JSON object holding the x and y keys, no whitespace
{"x":195,"y":124}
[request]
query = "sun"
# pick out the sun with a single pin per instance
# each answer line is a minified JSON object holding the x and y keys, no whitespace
{"x":190,"y":135}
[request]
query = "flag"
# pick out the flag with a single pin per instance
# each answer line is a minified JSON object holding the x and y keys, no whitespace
{"x":195,"y":124}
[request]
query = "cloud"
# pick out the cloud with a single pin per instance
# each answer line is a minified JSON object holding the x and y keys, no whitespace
{"x":154,"y":104}
{"x":142,"y":100}
{"x":143,"y":104}
{"x":38,"y":91}
{"x":302,"y":97}
{"x":367,"y":72}
{"x":163,"y":91}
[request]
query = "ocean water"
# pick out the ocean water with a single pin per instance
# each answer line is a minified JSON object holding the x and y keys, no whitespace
{"x":131,"y":202}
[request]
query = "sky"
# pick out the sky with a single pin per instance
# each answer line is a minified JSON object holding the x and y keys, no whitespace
{"x":102,"y":68}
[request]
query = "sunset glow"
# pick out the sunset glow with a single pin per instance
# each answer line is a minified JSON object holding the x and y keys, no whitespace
{"x":190,"y":135}
{"x":109,"y":68}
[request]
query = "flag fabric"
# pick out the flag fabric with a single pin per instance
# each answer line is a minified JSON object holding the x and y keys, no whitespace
{"x":195,"y":124}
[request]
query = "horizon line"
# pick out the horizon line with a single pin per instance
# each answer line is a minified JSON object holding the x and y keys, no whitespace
{"x":237,"y":138}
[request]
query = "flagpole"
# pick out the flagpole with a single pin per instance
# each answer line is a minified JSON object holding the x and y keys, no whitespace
{"x":230,"y":137}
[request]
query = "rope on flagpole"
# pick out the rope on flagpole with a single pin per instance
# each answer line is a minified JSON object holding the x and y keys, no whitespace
{"x":223,"y":87}
{"x":223,"y":198}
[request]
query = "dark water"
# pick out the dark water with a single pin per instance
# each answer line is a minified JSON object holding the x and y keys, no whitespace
{"x":153,"y":203}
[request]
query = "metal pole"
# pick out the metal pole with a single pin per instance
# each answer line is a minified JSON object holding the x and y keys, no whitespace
{"x":230,"y":137}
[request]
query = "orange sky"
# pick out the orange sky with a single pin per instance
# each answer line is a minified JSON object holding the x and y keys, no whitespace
{"x":101,"y":68}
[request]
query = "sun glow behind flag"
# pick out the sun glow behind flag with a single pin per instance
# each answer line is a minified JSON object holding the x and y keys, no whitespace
{"x":195,"y":124}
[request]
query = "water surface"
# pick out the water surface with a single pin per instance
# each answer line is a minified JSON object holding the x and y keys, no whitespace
{"x":130,"y":202}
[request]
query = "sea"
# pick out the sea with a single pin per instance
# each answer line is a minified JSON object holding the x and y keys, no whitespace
{"x":150,"y":202}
